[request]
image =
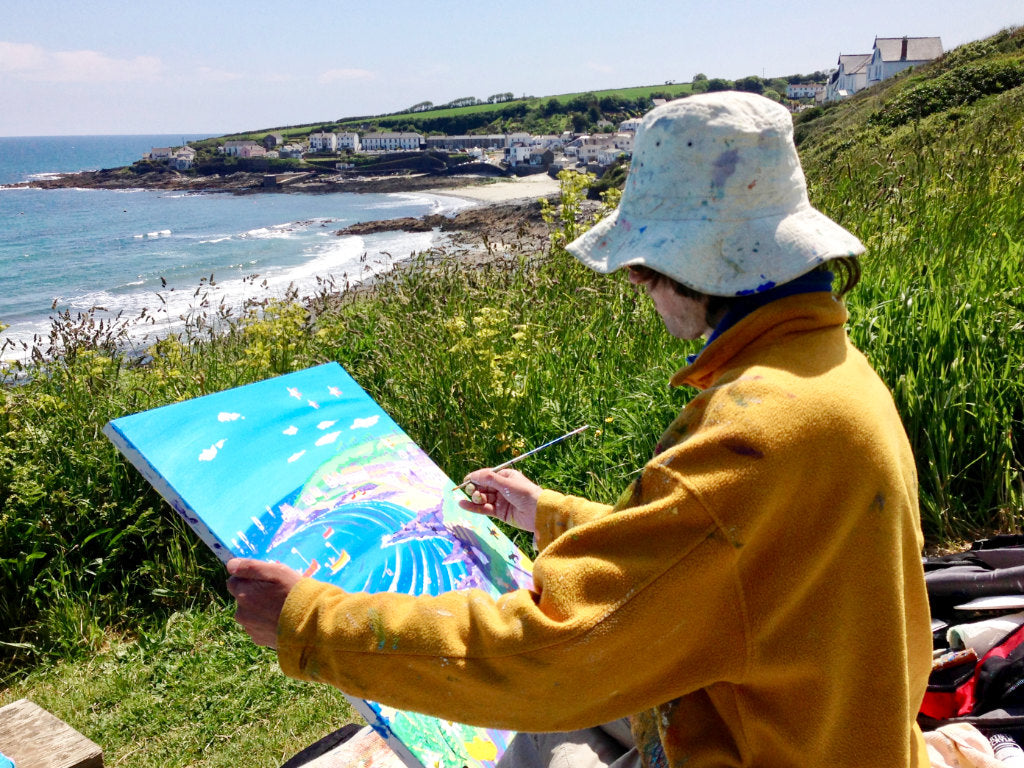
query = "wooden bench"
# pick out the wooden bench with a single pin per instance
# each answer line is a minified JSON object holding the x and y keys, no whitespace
{"x":33,"y":738}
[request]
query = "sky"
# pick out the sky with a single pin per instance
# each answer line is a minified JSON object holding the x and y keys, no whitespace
{"x":224,"y":66}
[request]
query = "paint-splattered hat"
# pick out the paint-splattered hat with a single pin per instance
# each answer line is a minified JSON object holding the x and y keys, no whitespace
{"x":716,"y":199}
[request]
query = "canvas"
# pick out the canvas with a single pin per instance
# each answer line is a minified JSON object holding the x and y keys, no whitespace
{"x":307,"y":470}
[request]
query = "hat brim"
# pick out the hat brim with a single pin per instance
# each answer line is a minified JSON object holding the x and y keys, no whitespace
{"x":717,"y":257}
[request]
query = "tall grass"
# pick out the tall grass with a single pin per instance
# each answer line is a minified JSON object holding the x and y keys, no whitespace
{"x":940,"y":314}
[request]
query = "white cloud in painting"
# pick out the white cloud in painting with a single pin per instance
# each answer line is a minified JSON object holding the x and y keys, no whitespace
{"x":292,"y":430}
{"x":327,"y":439}
{"x":225,"y":416}
{"x":326,"y":424}
{"x":208,"y":454}
{"x":334,"y":391}
{"x":364,"y":423}
{"x":295,"y":456}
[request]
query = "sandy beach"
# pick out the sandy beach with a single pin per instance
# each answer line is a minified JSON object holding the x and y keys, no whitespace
{"x":506,"y":190}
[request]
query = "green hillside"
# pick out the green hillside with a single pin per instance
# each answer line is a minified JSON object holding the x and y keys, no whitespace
{"x":928,"y":170}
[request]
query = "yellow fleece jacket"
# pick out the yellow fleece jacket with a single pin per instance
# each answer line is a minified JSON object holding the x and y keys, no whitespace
{"x":757,"y":595}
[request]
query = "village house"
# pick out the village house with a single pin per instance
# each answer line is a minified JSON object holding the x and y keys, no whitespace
{"x":546,"y":141}
{"x":348,"y":140}
{"x":519,"y":137}
{"x":609,"y":155}
{"x":323,"y":141}
{"x":541,"y":156}
{"x":593,"y":145}
{"x":179,"y":158}
{"x":804,"y":90}
{"x":850,"y":76}
{"x":894,"y":54}
{"x":518,"y":154}
{"x":159,"y":154}
{"x":630,"y":125}
{"x":234,"y":147}
{"x":272,"y":141}
{"x":252,"y":149}
{"x":466,"y":141}
{"x":183,"y":159}
{"x":291,"y":150}
{"x":391,"y":142}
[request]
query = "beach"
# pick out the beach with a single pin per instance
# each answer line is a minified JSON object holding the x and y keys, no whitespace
{"x":505,"y":190}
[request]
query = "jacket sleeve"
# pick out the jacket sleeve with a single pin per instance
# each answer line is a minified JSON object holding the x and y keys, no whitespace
{"x":557,"y":513}
{"x":629,"y":610}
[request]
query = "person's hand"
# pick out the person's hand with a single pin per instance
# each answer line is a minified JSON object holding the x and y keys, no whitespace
{"x":506,"y":494}
{"x":260,"y":589}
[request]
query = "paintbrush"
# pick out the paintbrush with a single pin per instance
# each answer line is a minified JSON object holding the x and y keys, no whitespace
{"x":522,"y":456}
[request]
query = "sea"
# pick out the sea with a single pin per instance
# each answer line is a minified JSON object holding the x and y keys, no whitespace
{"x":125,"y":251}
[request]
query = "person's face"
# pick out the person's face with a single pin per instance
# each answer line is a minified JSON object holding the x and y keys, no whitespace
{"x":684,"y":318}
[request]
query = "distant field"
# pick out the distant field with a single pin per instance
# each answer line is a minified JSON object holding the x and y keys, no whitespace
{"x":636,"y":92}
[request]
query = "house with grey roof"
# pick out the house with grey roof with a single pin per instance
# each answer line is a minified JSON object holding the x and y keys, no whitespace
{"x":894,"y":54}
{"x":850,"y":76}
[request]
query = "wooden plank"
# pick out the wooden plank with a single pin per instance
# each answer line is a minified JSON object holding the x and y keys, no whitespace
{"x":348,"y":747}
{"x":33,"y":738}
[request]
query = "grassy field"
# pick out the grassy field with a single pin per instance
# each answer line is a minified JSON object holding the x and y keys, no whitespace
{"x":114,"y":615}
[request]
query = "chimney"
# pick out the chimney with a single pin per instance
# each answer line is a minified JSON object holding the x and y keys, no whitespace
{"x":903,"y":49}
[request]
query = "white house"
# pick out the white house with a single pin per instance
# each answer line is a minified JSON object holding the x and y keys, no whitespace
{"x":594,"y":145}
{"x":803,"y":90}
{"x":894,"y":54}
{"x":348,"y":141}
{"x":323,"y":141}
{"x":546,"y":141}
{"x":183,"y":159}
{"x":624,"y":141}
{"x":608,"y":155}
{"x":234,"y":147}
{"x":391,"y":142}
{"x":630,"y":125}
{"x":518,"y":153}
{"x":851,"y":76}
{"x":517,"y":138}
{"x":161,"y":154}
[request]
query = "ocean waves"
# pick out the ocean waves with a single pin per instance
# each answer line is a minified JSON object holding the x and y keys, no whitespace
{"x":167,"y":257}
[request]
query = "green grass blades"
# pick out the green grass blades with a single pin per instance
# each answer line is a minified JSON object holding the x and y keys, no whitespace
{"x":192,"y":692}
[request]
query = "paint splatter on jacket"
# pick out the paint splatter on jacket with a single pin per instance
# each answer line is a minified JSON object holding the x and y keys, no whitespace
{"x":757,"y":595}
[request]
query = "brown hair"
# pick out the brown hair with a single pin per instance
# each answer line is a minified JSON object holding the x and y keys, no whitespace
{"x":846,"y":270}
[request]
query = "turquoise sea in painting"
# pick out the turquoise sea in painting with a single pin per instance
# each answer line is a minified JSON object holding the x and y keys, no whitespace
{"x":79,"y":249}
{"x":306,"y":469}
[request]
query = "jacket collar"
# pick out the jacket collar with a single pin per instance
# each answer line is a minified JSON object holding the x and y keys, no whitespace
{"x":793,"y":314}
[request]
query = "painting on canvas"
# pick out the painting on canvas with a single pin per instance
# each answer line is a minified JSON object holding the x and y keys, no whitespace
{"x":306,"y":469}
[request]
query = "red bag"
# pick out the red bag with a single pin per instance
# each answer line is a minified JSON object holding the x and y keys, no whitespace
{"x":997,"y":680}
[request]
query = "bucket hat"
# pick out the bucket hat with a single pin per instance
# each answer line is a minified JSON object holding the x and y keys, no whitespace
{"x":716,"y":199}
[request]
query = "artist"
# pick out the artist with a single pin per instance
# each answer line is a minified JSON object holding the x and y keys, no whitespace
{"x":756,"y":597}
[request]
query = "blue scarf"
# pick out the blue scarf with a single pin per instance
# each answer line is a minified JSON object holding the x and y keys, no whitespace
{"x":809,"y":282}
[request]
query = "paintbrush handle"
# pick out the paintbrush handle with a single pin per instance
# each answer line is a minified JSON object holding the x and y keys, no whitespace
{"x":522,"y":456}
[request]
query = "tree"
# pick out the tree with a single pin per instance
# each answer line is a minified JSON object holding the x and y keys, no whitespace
{"x":771,"y":93}
{"x":750,"y":84}
{"x":718,"y":84}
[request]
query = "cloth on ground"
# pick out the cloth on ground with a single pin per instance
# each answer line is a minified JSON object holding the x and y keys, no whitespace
{"x":960,"y":745}
{"x":982,"y":636}
{"x":604,"y":746}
